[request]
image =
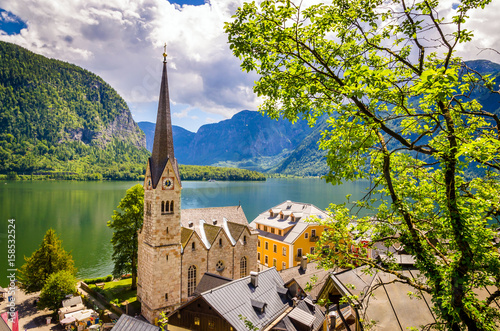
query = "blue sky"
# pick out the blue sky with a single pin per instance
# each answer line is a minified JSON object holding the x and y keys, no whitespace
{"x":122,"y":41}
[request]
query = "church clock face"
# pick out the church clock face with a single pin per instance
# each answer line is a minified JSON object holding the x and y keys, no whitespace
{"x":167,"y":183}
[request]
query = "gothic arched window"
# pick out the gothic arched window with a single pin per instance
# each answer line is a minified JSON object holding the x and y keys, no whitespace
{"x":243,"y":267}
{"x":172,"y":206}
{"x":162,"y":207}
{"x":191,"y":279}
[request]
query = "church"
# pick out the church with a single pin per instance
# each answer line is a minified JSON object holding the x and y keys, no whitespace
{"x":176,"y":247}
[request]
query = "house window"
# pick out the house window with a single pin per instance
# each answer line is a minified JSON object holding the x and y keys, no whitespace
{"x":258,"y":243}
{"x":272,"y":230}
{"x":244,"y":240}
{"x":167,"y":257}
{"x":220,"y":242}
{"x":299,"y":252}
{"x":306,"y":235}
{"x":283,"y":266}
{"x":284,"y":251}
{"x":196,"y":321}
{"x":282,"y":216}
{"x":279,"y":232}
{"x":313,"y":233}
{"x":166,"y":296}
{"x":274,"y":262}
{"x":275,"y":248}
{"x":312,"y":250}
{"x":266,"y":260}
{"x":172,"y":206}
{"x":191,"y":279}
{"x":267,"y":245}
{"x":265,"y":228}
{"x":211,"y":324}
{"x":163,"y":207}
{"x":258,"y":257}
{"x":193,"y":246}
{"x":243,"y":267}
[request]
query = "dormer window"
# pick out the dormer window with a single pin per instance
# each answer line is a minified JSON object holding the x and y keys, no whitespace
{"x":282,"y":216}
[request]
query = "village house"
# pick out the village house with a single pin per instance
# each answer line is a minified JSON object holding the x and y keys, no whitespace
{"x":284,"y":234}
{"x":176,"y":247}
{"x":261,"y":299}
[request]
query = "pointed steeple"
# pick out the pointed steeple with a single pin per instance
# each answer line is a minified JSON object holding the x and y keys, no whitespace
{"x":163,"y":145}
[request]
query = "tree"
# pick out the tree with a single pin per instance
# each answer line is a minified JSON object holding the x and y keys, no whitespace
{"x":57,"y":287}
{"x":125,"y":224}
{"x":48,"y":259}
{"x":401,"y":112}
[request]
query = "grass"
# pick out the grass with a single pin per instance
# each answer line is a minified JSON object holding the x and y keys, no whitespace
{"x":118,"y":290}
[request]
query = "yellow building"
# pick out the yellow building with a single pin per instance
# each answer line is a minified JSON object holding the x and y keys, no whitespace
{"x":284,"y":236}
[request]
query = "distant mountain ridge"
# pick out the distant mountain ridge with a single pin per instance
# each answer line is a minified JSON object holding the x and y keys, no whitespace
{"x":251,"y":141}
{"x":248,"y":140}
{"x":56,"y":116}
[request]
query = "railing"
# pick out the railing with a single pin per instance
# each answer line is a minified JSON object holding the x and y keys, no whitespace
{"x":313,"y":239}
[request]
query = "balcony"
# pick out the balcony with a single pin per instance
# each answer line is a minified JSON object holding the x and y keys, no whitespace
{"x":313,"y":239}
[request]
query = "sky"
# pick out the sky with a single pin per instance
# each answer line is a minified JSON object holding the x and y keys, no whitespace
{"x":122,"y":41}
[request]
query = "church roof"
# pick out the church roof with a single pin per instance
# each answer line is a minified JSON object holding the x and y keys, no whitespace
{"x":185,"y":235}
{"x":163,"y":145}
{"x":208,"y":222}
{"x":233,"y":214}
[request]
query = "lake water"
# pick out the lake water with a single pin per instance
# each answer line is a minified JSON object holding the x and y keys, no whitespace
{"x":78,"y":211}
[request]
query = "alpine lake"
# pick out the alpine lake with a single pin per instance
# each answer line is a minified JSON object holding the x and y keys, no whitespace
{"x":79,"y":211}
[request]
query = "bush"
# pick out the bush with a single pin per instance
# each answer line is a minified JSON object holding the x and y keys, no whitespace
{"x":104,"y":279}
{"x":56,"y":288}
{"x":12,"y":175}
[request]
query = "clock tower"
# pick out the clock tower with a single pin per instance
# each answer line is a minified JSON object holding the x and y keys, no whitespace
{"x":159,"y":251}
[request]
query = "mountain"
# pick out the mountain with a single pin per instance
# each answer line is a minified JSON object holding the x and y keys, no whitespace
{"x":56,"y":116}
{"x":247,"y":140}
{"x":182,"y":138}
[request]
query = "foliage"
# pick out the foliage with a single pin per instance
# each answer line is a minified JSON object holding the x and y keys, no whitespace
{"x":192,"y":172}
{"x":107,"y":278}
{"x":248,"y":324}
{"x":163,"y":321}
{"x":402,"y":114}
{"x":45,"y":261}
{"x":125,"y":224}
{"x":55,"y":117}
{"x":56,"y":288}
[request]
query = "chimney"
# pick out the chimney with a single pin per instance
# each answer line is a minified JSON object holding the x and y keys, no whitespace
{"x":303,"y":263}
{"x":254,"y":278}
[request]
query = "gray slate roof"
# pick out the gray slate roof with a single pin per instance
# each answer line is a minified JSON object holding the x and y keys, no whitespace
{"x":210,"y":281}
{"x":390,"y":306}
{"x":4,"y":326}
{"x":302,"y":277}
{"x":234,"y":298}
{"x":128,"y":323}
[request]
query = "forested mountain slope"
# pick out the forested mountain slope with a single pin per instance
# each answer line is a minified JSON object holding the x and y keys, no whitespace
{"x":55,"y":116}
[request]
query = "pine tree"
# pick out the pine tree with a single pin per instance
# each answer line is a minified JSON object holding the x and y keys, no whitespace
{"x":48,"y":259}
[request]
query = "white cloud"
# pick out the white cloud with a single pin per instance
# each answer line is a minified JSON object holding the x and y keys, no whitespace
{"x":122,"y":41}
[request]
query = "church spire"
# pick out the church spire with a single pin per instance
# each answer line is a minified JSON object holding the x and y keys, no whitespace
{"x":163,"y":145}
